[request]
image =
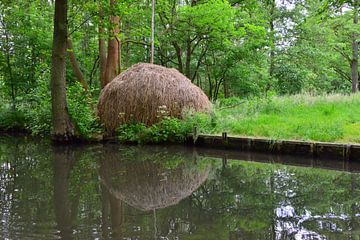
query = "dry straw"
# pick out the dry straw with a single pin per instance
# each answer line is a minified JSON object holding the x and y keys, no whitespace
{"x":145,"y":93}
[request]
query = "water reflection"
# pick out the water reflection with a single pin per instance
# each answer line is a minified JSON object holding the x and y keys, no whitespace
{"x":117,"y":192}
{"x":65,"y":206}
{"x":152,"y":179}
{"x":147,"y":179}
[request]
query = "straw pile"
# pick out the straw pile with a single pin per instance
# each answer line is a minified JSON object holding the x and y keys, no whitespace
{"x":145,"y":93}
{"x":147,"y":184}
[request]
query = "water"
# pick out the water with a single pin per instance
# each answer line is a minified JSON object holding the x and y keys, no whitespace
{"x":119,"y":192}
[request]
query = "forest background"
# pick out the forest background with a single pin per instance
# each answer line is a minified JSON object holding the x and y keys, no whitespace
{"x":236,"y":51}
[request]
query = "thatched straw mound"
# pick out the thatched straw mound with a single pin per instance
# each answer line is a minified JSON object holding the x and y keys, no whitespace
{"x":145,"y":93}
{"x":147,"y":184}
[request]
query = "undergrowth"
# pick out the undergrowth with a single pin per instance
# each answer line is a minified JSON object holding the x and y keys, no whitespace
{"x":328,"y":118}
{"x":34,"y":113}
{"x":170,"y":130}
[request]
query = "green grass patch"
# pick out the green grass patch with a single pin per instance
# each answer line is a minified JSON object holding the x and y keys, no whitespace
{"x":328,"y":118}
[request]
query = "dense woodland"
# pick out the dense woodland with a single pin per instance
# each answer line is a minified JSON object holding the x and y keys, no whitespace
{"x":236,"y":48}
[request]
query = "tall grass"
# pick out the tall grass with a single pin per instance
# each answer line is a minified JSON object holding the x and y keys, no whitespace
{"x":329,"y":118}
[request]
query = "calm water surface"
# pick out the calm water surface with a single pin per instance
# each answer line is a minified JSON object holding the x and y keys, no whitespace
{"x":119,"y":192}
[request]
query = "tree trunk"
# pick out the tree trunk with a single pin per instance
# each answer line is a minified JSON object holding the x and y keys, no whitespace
{"x":152,"y":32}
{"x":8,"y":54}
{"x":179,"y":56}
{"x":226,"y":88}
{"x":11,"y":78}
{"x":188,"y":60}
{"x":272,"y":44}
{"x":355,"y":52}
{"x":210,"y":85}
{"x":113,"y":47}
{"x":102,"y":48}
{"x":75,"y":66}
{"x":63,"y":128}
{"x":127,"y":49}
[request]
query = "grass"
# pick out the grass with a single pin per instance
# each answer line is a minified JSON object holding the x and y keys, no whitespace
{"x":327,"y":118}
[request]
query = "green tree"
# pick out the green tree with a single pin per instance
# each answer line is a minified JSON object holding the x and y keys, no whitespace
{"x":63,"y":128}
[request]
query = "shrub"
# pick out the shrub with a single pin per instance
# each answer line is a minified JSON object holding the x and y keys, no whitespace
{"x":13,"y":120}
{"x":81,"y":110}
{"x":38,"y":110}
{"x":168,"y":130}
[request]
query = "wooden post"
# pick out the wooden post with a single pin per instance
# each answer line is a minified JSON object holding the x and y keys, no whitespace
{"x":195,"y":134}
{"x":347,"y":151}
{"x":224,"y":139}
{"x":224,"y":161}
{"x":224,"y":136}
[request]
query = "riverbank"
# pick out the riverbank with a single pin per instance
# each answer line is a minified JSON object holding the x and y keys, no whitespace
{"x":328,"y":118}
{"x":320,"y":150}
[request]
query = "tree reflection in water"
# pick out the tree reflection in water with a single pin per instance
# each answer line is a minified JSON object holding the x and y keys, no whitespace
{"x":148,"y":179}
{"x":112,"y":192}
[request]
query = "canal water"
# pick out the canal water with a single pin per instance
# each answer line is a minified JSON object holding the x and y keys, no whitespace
{"x":169,"y":192}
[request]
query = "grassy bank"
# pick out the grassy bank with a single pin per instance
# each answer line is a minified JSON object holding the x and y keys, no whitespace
{"x":328,"y":118}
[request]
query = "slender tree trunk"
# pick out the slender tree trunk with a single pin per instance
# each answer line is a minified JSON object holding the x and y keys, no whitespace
{"x":179,"y":56}
{"x":152,"y":32}
{"x":127,"y":45}
{"x":8,"y":54}
{"x":119,"y":56}
{"x":75,"y":66}
{"x":210,"y":86}
{"x":188,"y":60}
{"x":226,"y":88}
{"x":202,"y":55}
{"x":272,"y":44}
{"x":355,"y":52}
{"x":63,"y":128}
{"x":113,"y":47}
{"x":102,"y":48}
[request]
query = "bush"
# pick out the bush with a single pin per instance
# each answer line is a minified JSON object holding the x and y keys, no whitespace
{"x":168,"y":130}
{"x":38,"y":110}
{"x":132,"y":132}
{"x":81,"y":110}
{"x":13,"y":120}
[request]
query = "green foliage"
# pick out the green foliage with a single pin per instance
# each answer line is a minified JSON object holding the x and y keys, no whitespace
{"x":229,"y":48}
{"x":329,"y":118}
{"x":38,"y":114}
{"x":23,"y":52}
{"x":35,"y":113}
{"x":168,"y":130}
{"x":131,"y":132}
{"x":81,"y":111}
{"x":13,"y":120}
